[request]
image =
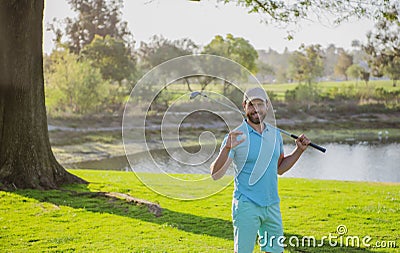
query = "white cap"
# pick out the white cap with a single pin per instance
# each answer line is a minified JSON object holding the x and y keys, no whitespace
{"x":255,"y":93}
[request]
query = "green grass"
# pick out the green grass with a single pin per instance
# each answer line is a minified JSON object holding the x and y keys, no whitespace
{"x":61,"y":221}
{"x":280,"y":89}
{"x":179,"y":89}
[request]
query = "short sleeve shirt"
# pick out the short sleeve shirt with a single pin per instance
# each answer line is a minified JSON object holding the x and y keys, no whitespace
{"x":256,"y":164}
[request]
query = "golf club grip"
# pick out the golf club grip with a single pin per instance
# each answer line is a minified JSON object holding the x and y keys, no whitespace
{"x":322,"y":149}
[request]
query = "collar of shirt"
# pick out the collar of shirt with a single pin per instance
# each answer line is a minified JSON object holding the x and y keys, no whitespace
{"x":252,"y":130}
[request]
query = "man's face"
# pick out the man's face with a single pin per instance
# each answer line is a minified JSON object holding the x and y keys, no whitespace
{"x":256,"y":110}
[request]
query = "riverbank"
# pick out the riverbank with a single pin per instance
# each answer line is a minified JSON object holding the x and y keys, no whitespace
{"x":65,"y":221}
{"x":83,"y":150}
{"x":77,"y":139}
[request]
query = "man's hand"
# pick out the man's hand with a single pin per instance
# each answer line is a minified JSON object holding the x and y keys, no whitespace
{"x":302,"y":142}
{"x":221,"y":164}
{"x":232,"y":140}
{"x":287,"y":162}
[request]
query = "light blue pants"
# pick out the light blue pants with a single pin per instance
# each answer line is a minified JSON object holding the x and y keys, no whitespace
{"x":249,"y":219}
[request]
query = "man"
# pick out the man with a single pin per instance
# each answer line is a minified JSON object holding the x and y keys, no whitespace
{"x":257,"y":152}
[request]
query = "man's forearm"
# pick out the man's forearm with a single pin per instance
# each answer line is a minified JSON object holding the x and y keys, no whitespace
{"x":219,"y":166}
{"x":288,"y":161}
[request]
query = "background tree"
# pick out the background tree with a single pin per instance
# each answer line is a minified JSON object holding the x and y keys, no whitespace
{"x":330,"y":60}
{"x":26,"y":158}
{"x":359,"y":55}
{"x":383,"y":49}
{"x":99,"y":35}
{"x":358,"y":71}
{"x":365,"y":75}
{"x":111,"y":57}
{"x":344,"y":61}
{"x":264,"y":70}
{"x":160,"y":50}
{"x":392,"y":70}
{"x":306,"y":65}
{"x":278,"y":62}
{"x":95,"y":17}
{"x":74,"y":86}
{"x":234,"y":48}
{"x":117,"y":66}
{"x":282,"y":75}
{"x":282,"y":11}
{"x":354,"y":71}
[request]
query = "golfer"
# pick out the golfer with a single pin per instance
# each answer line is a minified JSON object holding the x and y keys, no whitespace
{"x":257,"y":152}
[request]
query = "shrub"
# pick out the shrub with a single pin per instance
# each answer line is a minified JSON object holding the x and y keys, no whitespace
{"x":74,"y":86}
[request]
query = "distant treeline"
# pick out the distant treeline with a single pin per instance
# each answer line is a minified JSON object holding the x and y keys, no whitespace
{"x":95,"y":65}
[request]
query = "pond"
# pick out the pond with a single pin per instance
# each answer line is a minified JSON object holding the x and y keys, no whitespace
{"x":358,"y":162}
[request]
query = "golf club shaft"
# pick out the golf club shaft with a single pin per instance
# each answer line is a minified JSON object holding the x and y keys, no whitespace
{"x":322,"y":149}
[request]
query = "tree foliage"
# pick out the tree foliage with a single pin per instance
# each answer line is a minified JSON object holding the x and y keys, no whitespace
{"x":277,"y":61}
{"x":95,"y":17}
{"x":74,"y":86}
{"x":307,"y":64}
{"x":344,"y":61}
{"x":235,"y":48}
{"x":264,"y":69}
{"x":354,"y":71}
{"x":97,"y":36}
{"x":111,"y":57}
{"x":331,"y":58}
{"x":283,"y":11}
{"x":383,"y":50}
{"x":160,"y":49}
{"x":392,"y":70}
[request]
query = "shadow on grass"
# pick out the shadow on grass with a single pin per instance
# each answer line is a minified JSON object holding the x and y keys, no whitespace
{"x":186,"y":222}
{"x":102,"y":204}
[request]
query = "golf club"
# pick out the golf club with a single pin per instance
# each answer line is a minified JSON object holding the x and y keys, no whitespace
{"x":197,"y":93}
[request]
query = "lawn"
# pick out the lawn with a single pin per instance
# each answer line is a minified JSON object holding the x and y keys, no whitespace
{"x":66,"y":221}
{"x":323,"y":87}
{"x":177,"y":90}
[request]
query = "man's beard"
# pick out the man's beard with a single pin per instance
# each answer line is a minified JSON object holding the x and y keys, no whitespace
{"x":255,"y":118}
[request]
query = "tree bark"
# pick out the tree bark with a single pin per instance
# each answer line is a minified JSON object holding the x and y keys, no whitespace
{"x":26,"y":158}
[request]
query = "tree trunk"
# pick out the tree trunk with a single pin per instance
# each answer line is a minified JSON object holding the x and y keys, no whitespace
{"x":26,"y":158}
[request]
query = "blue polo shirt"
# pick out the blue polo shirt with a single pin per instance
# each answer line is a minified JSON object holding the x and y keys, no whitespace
{"x":256,"y":164}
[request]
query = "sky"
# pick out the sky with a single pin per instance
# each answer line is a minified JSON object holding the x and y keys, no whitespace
{"x":201,"y":21}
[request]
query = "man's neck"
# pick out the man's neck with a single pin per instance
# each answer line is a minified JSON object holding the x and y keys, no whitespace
{"x":258,"y":127}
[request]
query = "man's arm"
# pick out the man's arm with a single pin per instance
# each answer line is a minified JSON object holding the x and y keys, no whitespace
{"x":221,"y":164}
{"x":287,"y":162}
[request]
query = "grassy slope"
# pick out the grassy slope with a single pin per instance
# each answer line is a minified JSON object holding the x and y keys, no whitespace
{"x":35,"y":221}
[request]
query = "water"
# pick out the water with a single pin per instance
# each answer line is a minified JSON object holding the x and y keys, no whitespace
{"x":361,"y":162}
